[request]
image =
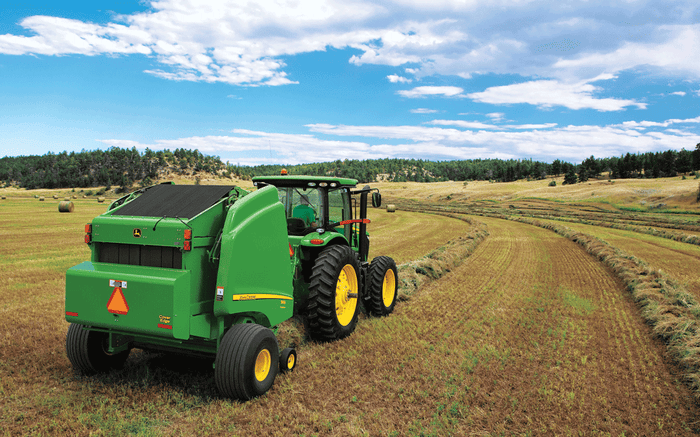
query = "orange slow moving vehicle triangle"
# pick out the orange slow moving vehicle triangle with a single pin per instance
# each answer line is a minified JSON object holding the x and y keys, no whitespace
{"x":117,"y":302}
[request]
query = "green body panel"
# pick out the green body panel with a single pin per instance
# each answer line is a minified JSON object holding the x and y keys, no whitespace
{"x":154,"y":297}
{"x":326,"y":237}
{"x":255,"y":271}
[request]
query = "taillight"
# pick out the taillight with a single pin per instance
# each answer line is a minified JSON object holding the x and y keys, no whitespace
{"x":187,"y":246}
{"x":88,"y":233}
{"x":316,"y":241}
{"x":291,"y":251}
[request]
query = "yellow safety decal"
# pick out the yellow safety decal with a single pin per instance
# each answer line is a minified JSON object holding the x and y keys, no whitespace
{"x":237,"y":297}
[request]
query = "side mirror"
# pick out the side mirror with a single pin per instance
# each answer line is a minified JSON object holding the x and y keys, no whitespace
{"x":376,"y":200}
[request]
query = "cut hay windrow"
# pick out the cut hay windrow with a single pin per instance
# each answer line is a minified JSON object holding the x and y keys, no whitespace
{"x":673,"y":313}
{"x":414,"y":274}
{"x":648,"y":227}
{"x":666,"y":305}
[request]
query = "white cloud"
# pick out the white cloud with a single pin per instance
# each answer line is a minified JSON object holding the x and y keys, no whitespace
{"x":529,"y":126}
{"x":423,"y":111}
{"x":666,"y":123}
{"x":60,"y":36}
{"x":464,"y":124}
{"x":243,"y":43}
{"x":678,"y":93}
{"x":393,"y":78}
{"x":550,"y":93}
{"x":496,"y":116}
{"x":670,"y":51}
{"x":572,"y":143}
{"x":425,"y":91}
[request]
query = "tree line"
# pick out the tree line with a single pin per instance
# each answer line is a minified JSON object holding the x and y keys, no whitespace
{"x":123,"y":167}
{"x":647,"y":165}
{"x":113,"y":167}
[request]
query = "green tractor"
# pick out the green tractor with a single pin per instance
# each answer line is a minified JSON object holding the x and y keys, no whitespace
{"x":213,"y":270}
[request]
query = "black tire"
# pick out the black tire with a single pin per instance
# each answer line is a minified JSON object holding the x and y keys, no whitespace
{"x":288,"y":360}
{"x":333,"y":316}
{"x":87,"y":351}
{"x":247,"y":361}
{"x":383,"y":286}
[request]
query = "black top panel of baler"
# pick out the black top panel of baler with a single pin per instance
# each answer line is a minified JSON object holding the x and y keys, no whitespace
{"x":183,"y":201}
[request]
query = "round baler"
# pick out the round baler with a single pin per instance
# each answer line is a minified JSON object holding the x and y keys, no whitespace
{"x":213,"y":270}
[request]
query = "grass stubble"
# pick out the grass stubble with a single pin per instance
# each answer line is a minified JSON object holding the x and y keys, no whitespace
{"x":41,"y":395}
{"x":512,"y":341}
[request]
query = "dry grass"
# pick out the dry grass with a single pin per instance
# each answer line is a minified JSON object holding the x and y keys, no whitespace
{"x":406,"y":236}
{"x":640,"y":193}
{"x":40,"y":394}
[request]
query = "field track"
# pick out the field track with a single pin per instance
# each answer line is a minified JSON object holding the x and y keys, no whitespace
{"x":680,"y":260}
{"x":530,"y":335}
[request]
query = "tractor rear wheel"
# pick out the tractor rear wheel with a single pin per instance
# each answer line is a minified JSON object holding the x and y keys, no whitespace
{"x":247,"y":361}
{"x":383,"y":286}
{"x":87,"y":351}
{"x":334,"y":294}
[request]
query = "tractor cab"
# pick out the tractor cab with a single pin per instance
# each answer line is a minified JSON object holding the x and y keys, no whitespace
{"x":321,"y":210}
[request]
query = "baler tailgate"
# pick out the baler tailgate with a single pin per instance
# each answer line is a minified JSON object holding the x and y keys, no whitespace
{"x":136,"y":299}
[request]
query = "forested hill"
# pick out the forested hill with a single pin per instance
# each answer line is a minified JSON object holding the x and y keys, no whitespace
{"x":124,"y":167}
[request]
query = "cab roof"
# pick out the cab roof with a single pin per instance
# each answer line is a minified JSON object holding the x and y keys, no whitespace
{"x":303,"y":181}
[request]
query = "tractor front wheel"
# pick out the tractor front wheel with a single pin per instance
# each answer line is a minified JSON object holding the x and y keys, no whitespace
{"x":87,"y":351}
{"x":247,"y":361}
{"x":334,"y":294}
{"x":383,"y":286}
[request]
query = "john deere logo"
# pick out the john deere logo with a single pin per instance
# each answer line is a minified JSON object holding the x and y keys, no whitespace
{"x":137,"y":233}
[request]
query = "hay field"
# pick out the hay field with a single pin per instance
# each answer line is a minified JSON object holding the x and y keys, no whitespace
{"x":530,"y":335}
{"x":641,"y":193}
{"x":39,"y":393}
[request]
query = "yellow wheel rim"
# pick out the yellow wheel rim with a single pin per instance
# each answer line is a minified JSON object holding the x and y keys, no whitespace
{"x":346,"y":295}
{"x":388,"y":288}
{"x":290,"y":362}
{"x":262,"y":365}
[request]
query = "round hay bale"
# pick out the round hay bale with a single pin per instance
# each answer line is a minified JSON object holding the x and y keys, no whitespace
{"x":74,"y":196}
{"x":100,"y":200}
{"x":41,"y":199}
{"x":55,"y":196}
{"x":391,"y":208}
{"x":4,"y":197}
{"x":65,"y":206}
{"x":66,"y":198}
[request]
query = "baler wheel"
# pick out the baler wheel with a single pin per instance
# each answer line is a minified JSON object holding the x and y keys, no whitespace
{"x":288,"y":360}
{"x":383,"y":286}
{"x":333,"y":294}
{"x":87,"y":351}
{"x":247,"y":361}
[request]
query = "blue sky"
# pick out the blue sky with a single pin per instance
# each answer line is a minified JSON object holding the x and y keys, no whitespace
{"x":308,"y":81}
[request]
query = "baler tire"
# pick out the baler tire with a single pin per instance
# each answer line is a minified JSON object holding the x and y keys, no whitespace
{"x":383,"y":286}
{"x":336,"y":268}
{"x":86,"y":350}
{"x":288,"y":360}
{"x":247,"y":361}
